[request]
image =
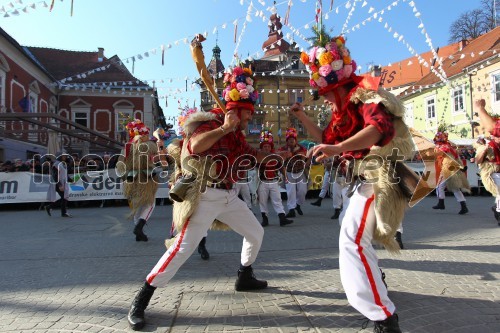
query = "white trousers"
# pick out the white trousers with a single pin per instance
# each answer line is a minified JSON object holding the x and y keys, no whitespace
{"x":326,"y":184}
{"x":296,"y":189}
{"x":224,"y":206}
{"x":441,"y":195}
{"x":336,"y":195}
{"x":144,"y":212}
{"x":496,"y":178}
{"x":358,"y":262}
{"x":270,"y":190}
{"x":244,"y":190}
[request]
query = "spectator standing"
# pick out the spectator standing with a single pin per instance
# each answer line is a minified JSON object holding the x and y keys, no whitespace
{"x":58,"y":185}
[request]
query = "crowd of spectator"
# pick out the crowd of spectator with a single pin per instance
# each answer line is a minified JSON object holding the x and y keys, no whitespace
{"x":468,"y":154}
{"x":76,"y":164}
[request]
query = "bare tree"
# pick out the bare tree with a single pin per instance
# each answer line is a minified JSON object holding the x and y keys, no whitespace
{"x":490,"y":10}
{"x":474,"y":23}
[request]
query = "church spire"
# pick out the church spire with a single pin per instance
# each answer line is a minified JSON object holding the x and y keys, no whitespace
{"x":215,"y":66}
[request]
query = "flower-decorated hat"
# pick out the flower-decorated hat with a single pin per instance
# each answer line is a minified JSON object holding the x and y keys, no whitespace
{"x":266,"y":136}
{"x":135,"y":128}
{"x":239,"y":89}
{"x":291,"y":133}
{"x":441,"y":137}
{"x":329,"y":64}
{"x":183,"y":116}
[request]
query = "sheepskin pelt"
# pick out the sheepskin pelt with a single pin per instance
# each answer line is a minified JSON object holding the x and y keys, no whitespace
{"x":455,"y":178}
{"x":187,"y":165}
{"x":487,"y":168}
{"x":140,"y":186}
{"x":390,"y":201}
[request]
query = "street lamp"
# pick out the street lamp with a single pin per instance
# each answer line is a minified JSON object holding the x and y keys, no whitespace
{"x":472,"y":122}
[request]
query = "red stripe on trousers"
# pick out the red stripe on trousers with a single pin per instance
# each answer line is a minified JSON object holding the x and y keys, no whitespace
{"x":172,"y":255}
{"x":359,"y":235}
{"x":149,"y":213}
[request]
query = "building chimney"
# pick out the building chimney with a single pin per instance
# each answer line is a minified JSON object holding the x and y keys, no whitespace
{"x":463,"y":43}
{"x":100,"y":54}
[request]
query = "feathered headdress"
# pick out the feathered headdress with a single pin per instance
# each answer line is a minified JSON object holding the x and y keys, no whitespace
{"x":266,"y":136}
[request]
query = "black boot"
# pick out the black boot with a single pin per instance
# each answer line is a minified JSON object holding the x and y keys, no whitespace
{"x":336,"y":214}
{"x":202,"y":250}
{"x":48,"y":209}
{"x":299,"y":210}
{"x":139,"y":304}
{"x":440,"y":204}
{"x":317,"y":202}
{"x":139,"y":235}
{"x":246,"y":280}
{"x":390,"y":325}
{"x":283,"y":220}
{"x":265,"y":220}
{"x":291,"y":213}
{"x":495,"y":213}
{"x":464,"y":209}
{"x":399,"y":239}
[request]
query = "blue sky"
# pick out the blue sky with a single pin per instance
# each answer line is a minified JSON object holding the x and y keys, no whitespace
{"x":131,"y":27}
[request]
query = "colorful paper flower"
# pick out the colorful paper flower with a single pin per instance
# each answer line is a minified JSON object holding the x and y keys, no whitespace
{"x":234,"y":95}
{"x":329,"y":64}
{"x":239,"y":85}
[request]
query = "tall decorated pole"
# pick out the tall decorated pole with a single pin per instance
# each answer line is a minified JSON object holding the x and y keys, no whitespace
{"x":199,"y":60}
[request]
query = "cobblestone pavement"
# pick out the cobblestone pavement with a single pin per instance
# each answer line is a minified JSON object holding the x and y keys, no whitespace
{"x":80,"y":274}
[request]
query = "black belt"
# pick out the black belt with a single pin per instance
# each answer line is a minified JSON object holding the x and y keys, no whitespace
{"x":222,"y":186}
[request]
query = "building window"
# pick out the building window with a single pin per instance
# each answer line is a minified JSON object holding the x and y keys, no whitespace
{"x":295,"y":63}
{"x":81,"y":118}
{"x":431,"y":108}
{"x":296,"y":96}
{"x":496,"y":87}
{"x":255,"y":125}
{"x":458,"y":99}
{"x":206,"y":97}
{"x":122,"y":119}
{"x":260,"y":99}
{"x":298,"y":126}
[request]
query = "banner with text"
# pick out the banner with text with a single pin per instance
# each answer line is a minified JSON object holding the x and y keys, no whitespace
{"x":18,"y":187}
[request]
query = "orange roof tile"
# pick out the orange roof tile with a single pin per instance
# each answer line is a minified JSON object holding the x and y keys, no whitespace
{"x":482,"y":47}
{"x":409,"y":70}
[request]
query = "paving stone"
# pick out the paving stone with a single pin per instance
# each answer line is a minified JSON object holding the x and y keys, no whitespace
{"x":81,"y":275}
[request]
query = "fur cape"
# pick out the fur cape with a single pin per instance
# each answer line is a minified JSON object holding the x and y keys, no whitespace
{"x":390,"y":200}
{"x":487,"y":168}
{"x":184,"y":164}
{"x":140,"y":185}
{"x":455,"y":180}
